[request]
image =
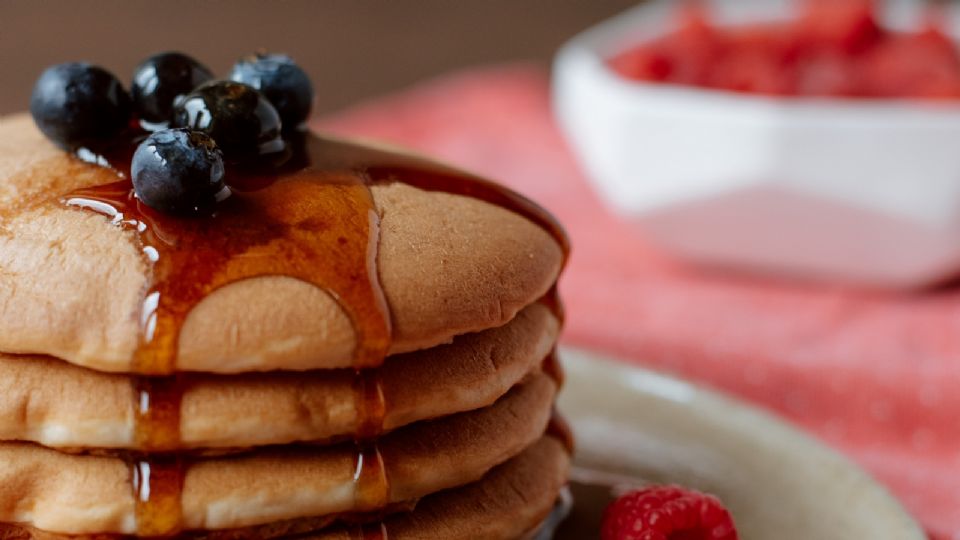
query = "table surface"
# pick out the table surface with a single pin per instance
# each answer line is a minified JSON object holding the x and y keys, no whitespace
{"x":353,"y":49}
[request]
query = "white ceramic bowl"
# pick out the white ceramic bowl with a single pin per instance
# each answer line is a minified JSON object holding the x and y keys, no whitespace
{"x":866,"y":192}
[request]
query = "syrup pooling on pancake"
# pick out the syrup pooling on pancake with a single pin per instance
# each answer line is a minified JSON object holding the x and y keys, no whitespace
{"x":297,"y":220}
{"x":310,"y":218}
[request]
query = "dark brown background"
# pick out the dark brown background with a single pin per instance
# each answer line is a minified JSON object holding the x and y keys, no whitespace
{"x":352,"y":48}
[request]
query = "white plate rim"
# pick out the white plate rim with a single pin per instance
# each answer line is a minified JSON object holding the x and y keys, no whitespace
{"x":585,"y":369}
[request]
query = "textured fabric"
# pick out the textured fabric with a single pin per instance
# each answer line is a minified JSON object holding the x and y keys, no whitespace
{"x":875,"y":375}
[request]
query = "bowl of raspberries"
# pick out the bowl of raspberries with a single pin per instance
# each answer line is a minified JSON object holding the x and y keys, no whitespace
{"x":807,"y":138}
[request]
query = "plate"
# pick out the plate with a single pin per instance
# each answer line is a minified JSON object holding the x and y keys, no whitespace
{"x":635,"y":426}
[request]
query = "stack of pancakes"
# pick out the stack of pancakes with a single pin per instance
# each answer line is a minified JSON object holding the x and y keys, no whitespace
{"x":267,"y":428}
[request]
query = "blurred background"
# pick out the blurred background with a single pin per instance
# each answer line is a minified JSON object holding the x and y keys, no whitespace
{"x":352,"y":48}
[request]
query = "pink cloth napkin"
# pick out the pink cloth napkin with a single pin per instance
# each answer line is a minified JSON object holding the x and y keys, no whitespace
{"x":875,"y":375}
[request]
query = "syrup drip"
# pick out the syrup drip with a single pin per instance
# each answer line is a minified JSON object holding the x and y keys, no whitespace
{"x":312,"y":218}
{"x":370,"y":482}
{"x":157,"y":487}
{"x":157,"y":478}
{"x":370,"y":402}
{"x":372,"y":487}
{"x":157,"y":413}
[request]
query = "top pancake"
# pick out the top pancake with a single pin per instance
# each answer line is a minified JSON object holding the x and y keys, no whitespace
{"x":72,"y":284}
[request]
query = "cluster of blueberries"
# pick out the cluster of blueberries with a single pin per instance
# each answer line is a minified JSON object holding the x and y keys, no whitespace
{"x":196,"y":122}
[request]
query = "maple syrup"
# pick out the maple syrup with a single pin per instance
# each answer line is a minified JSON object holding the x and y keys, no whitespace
{"x":371,"y":485}
{"x":157,"y":477}
{"x":311,"y":217}
{"x":157,"y":482}
{"x":157,"y":413}
{"x":370,"y":402}
{"x":370,"y":482}
{"x":321,"y":228}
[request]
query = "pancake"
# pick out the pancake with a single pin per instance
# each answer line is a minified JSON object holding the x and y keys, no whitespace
{"x":60,"y":405}
{"x":508,"y":502}
{"x":77,"y":494}
{"x":72,"y":284}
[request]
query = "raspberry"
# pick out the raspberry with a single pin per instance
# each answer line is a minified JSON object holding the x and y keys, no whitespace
{"x":667,"y":513}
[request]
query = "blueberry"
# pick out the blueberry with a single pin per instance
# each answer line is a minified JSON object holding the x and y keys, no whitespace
{"x":77,"y":104}
{"x":284,"y":83}
{"x":235,"y":115}
{"x":178,"y":171}
{"x":158,"y":80}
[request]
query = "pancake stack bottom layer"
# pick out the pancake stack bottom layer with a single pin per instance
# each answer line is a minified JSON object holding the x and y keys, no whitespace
{"x":359,"y":344}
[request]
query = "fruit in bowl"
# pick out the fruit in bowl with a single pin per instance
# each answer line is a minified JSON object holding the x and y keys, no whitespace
{"x":750,"y":136}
